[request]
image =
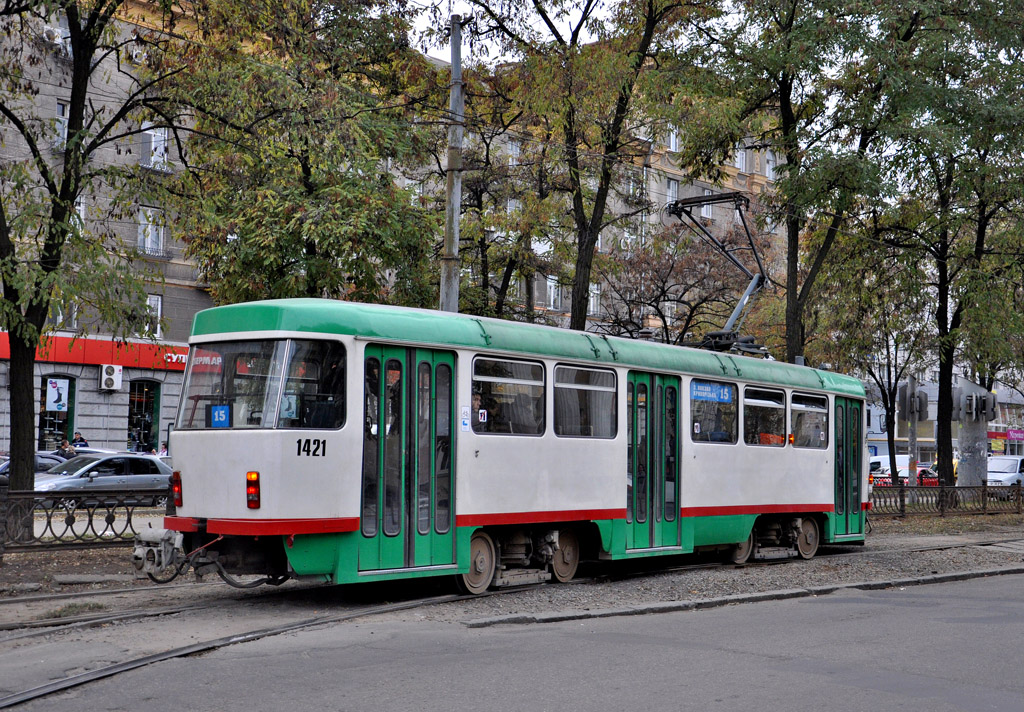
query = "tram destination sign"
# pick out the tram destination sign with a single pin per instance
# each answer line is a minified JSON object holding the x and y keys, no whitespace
{"x":715,"y":392}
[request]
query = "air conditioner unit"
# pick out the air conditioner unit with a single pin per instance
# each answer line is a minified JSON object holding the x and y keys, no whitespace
{"x":53,"y":35}
{"x":137,"y":55}
{"x":110,"y":377}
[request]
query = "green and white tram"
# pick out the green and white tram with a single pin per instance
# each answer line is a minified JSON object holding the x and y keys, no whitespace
{"x":352,"y":442}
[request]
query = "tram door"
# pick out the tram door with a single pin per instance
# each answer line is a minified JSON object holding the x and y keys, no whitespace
{"x":849,"y":454}
{"x":652,"y":490}
{"x":407,"y":459}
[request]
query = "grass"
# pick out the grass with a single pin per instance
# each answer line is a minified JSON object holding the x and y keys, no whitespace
{"x":75,"y":609}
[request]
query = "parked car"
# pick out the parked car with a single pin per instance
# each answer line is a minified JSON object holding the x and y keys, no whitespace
{"x":85,"y":450}
{"x":926,"y":477}
{"x":116,"y":471}
{"x":44,"y":461}
{"x":1005,"y":470}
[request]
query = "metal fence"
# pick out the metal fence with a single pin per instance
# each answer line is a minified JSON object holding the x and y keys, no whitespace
{"x":941,"y":500}
{"x":75,"y":519}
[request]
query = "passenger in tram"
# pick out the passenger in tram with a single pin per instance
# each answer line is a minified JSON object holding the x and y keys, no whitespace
{"x":479,"y":425}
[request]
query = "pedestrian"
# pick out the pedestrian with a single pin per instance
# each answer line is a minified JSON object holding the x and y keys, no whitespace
{"x":79,"y":440}
{"x":65,"y":450}
{"x":163,"y":449}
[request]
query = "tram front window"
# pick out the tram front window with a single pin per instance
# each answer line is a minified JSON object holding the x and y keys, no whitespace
{"x":279,"y":383}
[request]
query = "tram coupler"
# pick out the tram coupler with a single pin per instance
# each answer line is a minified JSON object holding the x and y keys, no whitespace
{"x":155,"y":551}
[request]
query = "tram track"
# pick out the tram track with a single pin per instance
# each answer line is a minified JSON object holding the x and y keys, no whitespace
{"x":220,"y":642}
{"x":41,"y":627}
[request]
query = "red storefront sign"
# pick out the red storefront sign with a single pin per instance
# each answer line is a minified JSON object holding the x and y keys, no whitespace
{"x":93,"y":351}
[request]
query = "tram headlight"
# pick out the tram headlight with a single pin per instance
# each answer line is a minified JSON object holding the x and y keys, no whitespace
{"x":252,"y":490}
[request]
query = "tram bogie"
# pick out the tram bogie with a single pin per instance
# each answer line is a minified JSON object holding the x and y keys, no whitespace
{"x":349,"y":443}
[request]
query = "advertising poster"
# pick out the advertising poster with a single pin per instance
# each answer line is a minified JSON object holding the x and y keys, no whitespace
{"x":57,"y":394}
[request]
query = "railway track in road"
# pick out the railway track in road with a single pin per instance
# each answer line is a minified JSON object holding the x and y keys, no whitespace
{"x":214,"y":644}
{"x":349,"y":610}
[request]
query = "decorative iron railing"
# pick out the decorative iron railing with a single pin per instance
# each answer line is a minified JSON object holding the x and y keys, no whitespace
{"x":904,"y":501}
{"x":76,"y":518}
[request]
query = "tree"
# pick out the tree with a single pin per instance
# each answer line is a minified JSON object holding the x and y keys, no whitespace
{"x":510,"y":203}
{"x":954,"y":155}
{"x":69,"y":54}
{"x":874,"y":308}
{"x":811,"y":81}
{"x":591,"y":75}
{"x":299,"y":115}
{"x":675,"y":283}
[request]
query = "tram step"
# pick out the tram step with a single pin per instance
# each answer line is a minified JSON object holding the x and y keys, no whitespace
{"x":520,"y":577}
{"x":773,"y":552}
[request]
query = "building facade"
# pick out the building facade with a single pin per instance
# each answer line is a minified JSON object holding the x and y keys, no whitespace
{"x":119,"y":393}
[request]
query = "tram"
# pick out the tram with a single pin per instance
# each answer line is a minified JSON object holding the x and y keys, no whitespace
{"x":343,"y":442}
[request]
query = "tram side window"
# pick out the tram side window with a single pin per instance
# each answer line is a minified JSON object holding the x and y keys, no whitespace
{"x":584,"y":403}
{"x":508,"y":397}
{"x":713,"y":412}
{"x":809,"y":421}
{"x":764,"y":417}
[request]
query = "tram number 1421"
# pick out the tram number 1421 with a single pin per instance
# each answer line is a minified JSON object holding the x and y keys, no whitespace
{"x":311,"y":447}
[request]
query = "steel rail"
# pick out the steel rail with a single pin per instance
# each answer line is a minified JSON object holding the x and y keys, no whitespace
{"x":48,"y":626}
{"x":216,"y":643}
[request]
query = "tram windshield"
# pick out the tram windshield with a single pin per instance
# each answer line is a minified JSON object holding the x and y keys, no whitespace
{"x":273,"y":383}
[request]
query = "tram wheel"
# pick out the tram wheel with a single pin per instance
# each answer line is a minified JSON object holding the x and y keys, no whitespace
{"x":567,"y":558}
{"x":482,"y":564}
{"x":740,"y":553}
{"x":807,"y":542}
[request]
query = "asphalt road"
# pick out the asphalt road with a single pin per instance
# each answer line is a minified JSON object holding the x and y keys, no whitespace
{"x":933,"y":648}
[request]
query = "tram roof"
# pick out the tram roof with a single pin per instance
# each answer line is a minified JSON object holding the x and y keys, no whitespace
{"x":443,"y":329}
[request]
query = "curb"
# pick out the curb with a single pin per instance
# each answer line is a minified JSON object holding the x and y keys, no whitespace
{"x":705,"y":603}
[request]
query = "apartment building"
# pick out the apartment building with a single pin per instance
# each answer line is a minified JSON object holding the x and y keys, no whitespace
{"x":120,"y":393}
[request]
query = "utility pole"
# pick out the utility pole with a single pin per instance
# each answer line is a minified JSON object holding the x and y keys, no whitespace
{"x":453,"y":203}
{"x":912,"y":417}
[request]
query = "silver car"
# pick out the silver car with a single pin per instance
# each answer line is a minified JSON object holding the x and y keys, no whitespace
{"x":106,"y":473}
{"x":1005,"y":470}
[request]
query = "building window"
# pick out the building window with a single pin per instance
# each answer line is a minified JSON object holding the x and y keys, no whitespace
{"x":673,"y":190}
{"x":154,"y":307}
{"x":554,"y":295}
{"x":63,"y":314}
{"x":151,"y":231}
{"x":56,"y":411}
{"x":705,"y":210}
{"x":741,"y":158}
{"x":769,"y":165}
{"x":594,"y":302}
{"x":514,"y":206}
{"x":514,"y":149}
{"x":60,"y":126}
{"x":143,"y":416}
{"x":154,"y":147}
{"x":417,"y":193}
{"x":672,"y":141}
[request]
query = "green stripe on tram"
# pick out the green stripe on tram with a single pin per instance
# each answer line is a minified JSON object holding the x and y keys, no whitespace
{"x":420,"y":326}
